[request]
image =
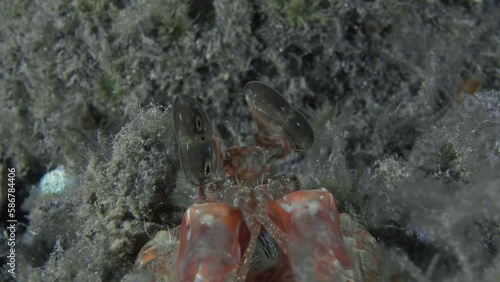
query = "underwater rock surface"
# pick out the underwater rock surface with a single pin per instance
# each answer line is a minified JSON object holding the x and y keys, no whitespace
{"x":403,"y":97}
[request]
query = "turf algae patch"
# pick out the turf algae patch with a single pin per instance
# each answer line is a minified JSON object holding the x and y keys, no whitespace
{"x":124,"y":194}
{"x":382,"y":72}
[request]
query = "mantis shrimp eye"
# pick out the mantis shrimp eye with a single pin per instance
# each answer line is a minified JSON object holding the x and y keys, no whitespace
{"x":198,"y":149}
{"x":268,"y":105}
{"x":199,"y":161}
{"x":190,"y":120}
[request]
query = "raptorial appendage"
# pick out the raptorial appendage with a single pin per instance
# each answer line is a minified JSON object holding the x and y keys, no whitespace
{"x":246,"y":208}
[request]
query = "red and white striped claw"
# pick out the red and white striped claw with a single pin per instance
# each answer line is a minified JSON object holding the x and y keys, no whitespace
{"x":314,"y":247}
{"x":212,"y":240}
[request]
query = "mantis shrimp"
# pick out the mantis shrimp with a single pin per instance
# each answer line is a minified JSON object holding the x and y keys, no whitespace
{"x":254,"y":225}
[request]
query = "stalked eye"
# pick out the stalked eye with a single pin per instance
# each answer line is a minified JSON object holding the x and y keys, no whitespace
{"x":190,"y":120}
{"x":199,"y":161}
{"x":268,"y":105}
{"x":198,"y":149}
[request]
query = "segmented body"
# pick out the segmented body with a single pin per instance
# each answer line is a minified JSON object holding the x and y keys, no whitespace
{"x":157,"y":258}
{"x":244,"y":204}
